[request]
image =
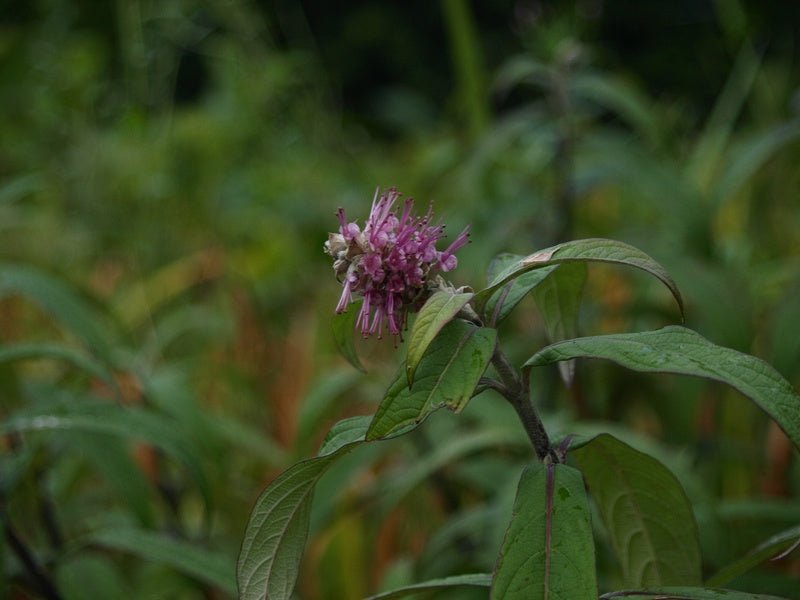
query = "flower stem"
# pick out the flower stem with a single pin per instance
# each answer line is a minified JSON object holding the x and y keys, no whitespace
{"x":516,"y":389}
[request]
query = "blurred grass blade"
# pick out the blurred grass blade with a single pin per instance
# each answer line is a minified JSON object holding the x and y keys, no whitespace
{"x":620,"y":97}
{"x":319,"y":405}
{"x":750,"y":155}
{"x":59,"y":301}
{"x":646,"y":513}
{"x":112,"y":459}
{"x":682,"y":351}
{"x":75,"y":357}
{"x":19,"y":187}
{"x":202,"y":564}
{"x":439,"y":310}
{"x":90,"y":575}
{"x":344,"y":326}
{"x":447,"y":376}
{"x":500,"y":304}
{"x":138,"y":303}
{"x":588,"y":250}
{"x":558,"y":298}
{"x":132,"y":423}
{"x":474,"y":580}
{"x":711,"y":144}
{"x":766,"y":550}
{"x":548,"y":551}
{"x":446,"y":453}
{"x":685,"y":593}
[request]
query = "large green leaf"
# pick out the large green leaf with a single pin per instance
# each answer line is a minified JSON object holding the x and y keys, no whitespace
{"x":769,"y":548}
{"x":474,"y":580}
{"x":685,"y":593}
{"x":202,"y":564}
{"x":500,"y":304}
{"x":132,"y":423}
{"x":276,"y":532}
{"x":646,"y":512}
{"x":548,"y":551}
{"x":343,"y":326}
{"x":439,"y":310}
{"x":588,"y":250}
{"x":559,"y":298}
{"x":446,"y":376}
{"x":58,"y":300}
{"x":679,"y":350}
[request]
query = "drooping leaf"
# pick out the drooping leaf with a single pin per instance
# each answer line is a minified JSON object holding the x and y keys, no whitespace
{"x":548,"y":551}
{"x":446,"y":376}
{"x":209,"y":566}
{"x":276,"y":532}
{"x":588,"y":250}
{"x":500,"y":304}
{"x":343,"y":327}
{"x":685,"y":593}
{"x":439,"y":310}
{"x":766,"y":550}
{"x":474,"y":580}
{"x":59,"y":301}
{"x":646,"y":512}
{"x":682,"y":351}
{"x":128,"y":422}
{"x":559,"y":298}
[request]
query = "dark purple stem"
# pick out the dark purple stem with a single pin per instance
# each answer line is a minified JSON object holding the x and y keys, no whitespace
{"x":516,"y":389}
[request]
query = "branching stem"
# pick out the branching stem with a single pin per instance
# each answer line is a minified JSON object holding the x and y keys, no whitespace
{"x":516,"y":389}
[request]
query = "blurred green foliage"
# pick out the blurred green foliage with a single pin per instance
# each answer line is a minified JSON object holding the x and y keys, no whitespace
{"x":168,"y":173}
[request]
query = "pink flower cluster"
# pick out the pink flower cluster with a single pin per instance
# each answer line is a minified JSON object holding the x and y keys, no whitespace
{"x":389,"y":263}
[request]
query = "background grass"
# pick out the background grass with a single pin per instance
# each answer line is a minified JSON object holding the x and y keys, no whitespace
{"x":168,"y":174}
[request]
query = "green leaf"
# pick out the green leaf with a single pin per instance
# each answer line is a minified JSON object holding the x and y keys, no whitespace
{"x":768,"y":549}
{"x":446,"y":376}
{"x":646,"y":512}
{"x":588,"y":250}
{"x":548,"y":551}
{"x":504,"y":300}
{"x":439,"y":310}
{"x":202,"y":564}
{"x":475,"y":580}
{"x":344,"y":326}
{"x":126,"y":422}
{"x":75,"y":357}
{"x":679,"y":350}
{"x":278,"y":526}
{"x":559,"y":298}
{"x":58,"y":300}
{"x":685,"y":593}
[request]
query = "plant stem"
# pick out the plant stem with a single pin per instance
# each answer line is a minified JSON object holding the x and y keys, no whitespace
{"x":516,"y":389}
{"x":40,"y":578}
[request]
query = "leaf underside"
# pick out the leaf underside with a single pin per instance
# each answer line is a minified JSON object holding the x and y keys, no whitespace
{"x":683,"y":351}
